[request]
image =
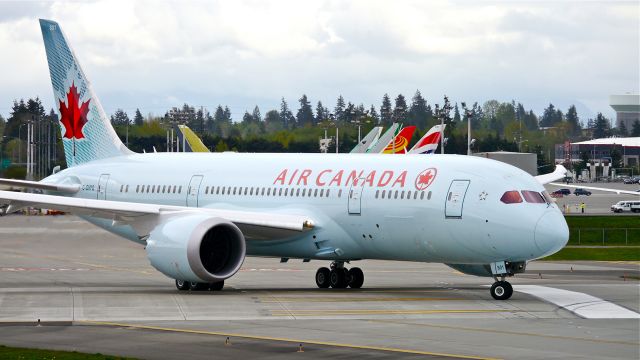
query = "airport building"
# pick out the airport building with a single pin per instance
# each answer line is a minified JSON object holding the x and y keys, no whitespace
{"x":627,"y":109}
{"x":599,"y":152}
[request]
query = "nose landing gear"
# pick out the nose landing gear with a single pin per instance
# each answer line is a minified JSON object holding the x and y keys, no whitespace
{"x":339,"y":277}
{"x":501,"y":290}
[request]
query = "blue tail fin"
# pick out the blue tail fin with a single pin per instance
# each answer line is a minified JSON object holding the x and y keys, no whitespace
{"x":86,"y":131}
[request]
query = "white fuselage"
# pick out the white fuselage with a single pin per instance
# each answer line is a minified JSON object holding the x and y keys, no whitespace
{"x":386,"y":213}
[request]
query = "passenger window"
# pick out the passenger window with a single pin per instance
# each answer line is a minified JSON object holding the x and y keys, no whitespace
{"x":223,"y":191}
{"x":206,"y":190}
{"x":415,"y":195}
{"x":126,"y":189}
{"x":321,"y":192}
{"x":408,"y":194}
{"x":315,"y":193}
{"x":511,"y":197}
{"x":383,"y":193}
{"x":402,"y":194}
{"x":421,"y":195}
{"x":395,"y":196}
{"x":121,"y":187}
{"x":533,"y":197}
{"x":309,"y":193}
{"x":297,"y":192}
{"x":328,"y":192}
{"x":340,"y":193}
{"x":153,"y":189}
{"x":304,"y":192}
{"x":389,"y":194}
{"x":377,"y":192}
{"x":246,"y":190}
{"x":180,"y":189}
{"x":174,"y":189}
{"x":137,"y":188}
{"x":429,"y":196}
{"x":286,"y":191}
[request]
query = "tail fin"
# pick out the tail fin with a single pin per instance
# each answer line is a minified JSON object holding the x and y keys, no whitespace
{"x":385,"y":139}
{"x":399,"y":144}
{"x":86,"y":131}
{"x":429,"y":142}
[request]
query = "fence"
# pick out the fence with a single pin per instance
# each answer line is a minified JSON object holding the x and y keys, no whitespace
{"x":605,"y":236}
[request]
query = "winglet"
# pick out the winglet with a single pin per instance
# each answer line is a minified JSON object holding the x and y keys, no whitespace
{"x":559,"y":173}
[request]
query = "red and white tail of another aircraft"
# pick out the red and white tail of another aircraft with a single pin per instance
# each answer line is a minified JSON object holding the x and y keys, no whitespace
{"x":429,"y":142}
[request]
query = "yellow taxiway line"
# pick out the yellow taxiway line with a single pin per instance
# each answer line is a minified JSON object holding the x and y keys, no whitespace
{"x":299,"y":341}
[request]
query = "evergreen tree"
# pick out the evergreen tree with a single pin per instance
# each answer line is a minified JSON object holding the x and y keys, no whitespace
{"x":138,"y":119}
{"x":219,"y":116}
{"x":247,"y":118}
{"x":635,"y":130}
{"x":304,"y":116}
{"x":120,"y":118}
{"x":227,"y":115}
{"x":34,"y":107}
{"x":338,"y":112}
{"x":622,"y":129}
{"x":322,"y":113}
{"x":602,"y":127}
{"x":285,"y":114}
{"x":374,"y":114}
{"x":400,"y":109}
{"x":418,"y":111}
{"x":386,"y":112}
{"x":255,"y":115}
{"x":456,"y":114}
{"x":573,"y":120}
{"x":550,"y":117}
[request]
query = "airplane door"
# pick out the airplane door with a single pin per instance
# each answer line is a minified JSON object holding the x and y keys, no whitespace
{"x":355,"y":197}
{"x":455,"y":198}
{"x":193,"y":190}
{"x":102,"y":186}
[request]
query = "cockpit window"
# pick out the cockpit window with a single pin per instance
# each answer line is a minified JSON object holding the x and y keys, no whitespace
{"x":533,"y":197}
{"x":511,"y":197}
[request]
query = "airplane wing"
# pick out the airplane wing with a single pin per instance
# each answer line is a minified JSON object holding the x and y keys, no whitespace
{"x":144,"y":217}
{"x":559,"y":173}
{"x":617,"y":191}
{"x":24,"y":184}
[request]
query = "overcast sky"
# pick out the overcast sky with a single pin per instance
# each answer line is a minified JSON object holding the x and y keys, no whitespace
{"x":242,"y":53}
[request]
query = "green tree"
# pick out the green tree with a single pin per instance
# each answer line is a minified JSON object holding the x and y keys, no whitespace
{"x":221,"y":146}
{"x":338,"y":111}
{"x":573,"y":120}
{"x":255,"y":115}
{"x":374,"y":114}
{"x":635,"y":130}
{"x":304,"y":116}
{"x":418,"y":111}
{"x":602,"y":127}
{"x":622,"y":129}
{"x":456,"y":113}
{"x":616,"y":158}
{"x":386,"y":112}
{"x":120,"y":117}
{"x":400,"y":109}
{"x":550,"y":117}
{"x":322,"y":113}
{"x":138,"y":119}
{"x":285,"y":114}
{"x":272,"y":121}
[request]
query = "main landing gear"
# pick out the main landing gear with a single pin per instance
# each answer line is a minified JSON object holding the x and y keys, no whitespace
{"x":339,"y":277}
{"x":501,"y":289}
{"x":196,"y":286}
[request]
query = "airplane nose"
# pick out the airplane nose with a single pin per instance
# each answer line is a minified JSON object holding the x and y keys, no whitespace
{"x":551,"y":233}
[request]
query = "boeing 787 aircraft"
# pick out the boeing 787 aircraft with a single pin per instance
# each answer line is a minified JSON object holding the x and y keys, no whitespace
{"x":197,"y":215}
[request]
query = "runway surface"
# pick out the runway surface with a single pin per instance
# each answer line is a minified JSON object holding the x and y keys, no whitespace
{"x":95,"y":292}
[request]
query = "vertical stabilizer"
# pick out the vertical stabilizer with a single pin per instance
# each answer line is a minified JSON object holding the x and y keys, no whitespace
{"x":86,"y":131}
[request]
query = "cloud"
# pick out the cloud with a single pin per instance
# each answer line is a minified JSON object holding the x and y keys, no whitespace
{"x":149,"y":54}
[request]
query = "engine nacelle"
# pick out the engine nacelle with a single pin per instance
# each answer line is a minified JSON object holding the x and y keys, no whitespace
{"x":196,"y":248}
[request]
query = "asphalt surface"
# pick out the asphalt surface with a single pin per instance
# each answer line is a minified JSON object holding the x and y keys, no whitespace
{"x":599,"y":202}
{"x":94,"y":292}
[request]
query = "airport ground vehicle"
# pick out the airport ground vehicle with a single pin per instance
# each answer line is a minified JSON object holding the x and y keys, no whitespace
{"x":561,"y":192}
{"x":626,"y":205}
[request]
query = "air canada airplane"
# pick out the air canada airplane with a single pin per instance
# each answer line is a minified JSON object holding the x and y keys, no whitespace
{"x":199,"y":214}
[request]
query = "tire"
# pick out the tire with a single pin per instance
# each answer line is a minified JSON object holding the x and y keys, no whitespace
{"x":196,"y":286}
{"x":338,"y":279}
{"x":182,"y":285}
{"x":501,"y":290}
{"x":357,"y":278}
{"x":323,"y":276}
{"x":217,"y":286}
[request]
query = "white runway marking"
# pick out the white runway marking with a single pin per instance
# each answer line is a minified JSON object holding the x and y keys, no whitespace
{"x":583,"y":305}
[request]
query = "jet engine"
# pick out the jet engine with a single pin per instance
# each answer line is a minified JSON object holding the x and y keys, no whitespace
{"x":196,"y":248}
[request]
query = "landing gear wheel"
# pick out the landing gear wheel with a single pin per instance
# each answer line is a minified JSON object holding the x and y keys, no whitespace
{"x":338,"y":279}
{"x":196,"y":286}
{"x":357,"y":278}
{"x":323,"y":276}
{"x":501,"y":290}
{"x":182,"y":285}
{"x":217,"y":286}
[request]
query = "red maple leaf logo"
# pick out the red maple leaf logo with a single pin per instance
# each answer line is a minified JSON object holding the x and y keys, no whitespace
{"x":73,"y":115}
{"x":426,"y":178}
